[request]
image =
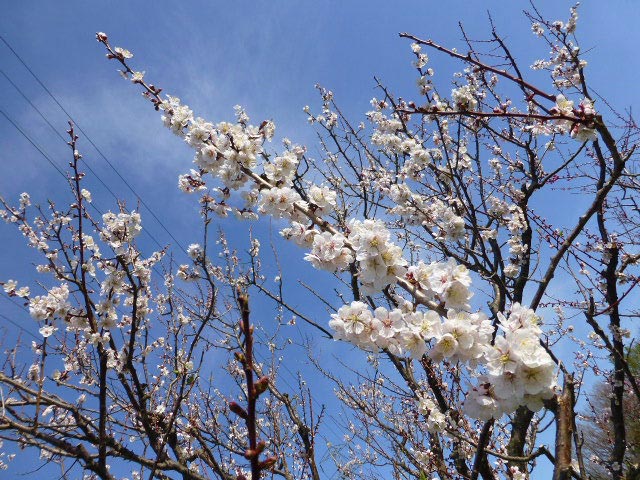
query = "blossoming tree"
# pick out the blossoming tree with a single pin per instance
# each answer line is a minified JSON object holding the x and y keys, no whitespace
{"x":456,"y":275}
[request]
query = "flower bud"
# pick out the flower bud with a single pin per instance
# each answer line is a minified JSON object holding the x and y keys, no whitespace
{"x":238,"y":410}
{"x":268,"y":463}
{"x":261,"y":385}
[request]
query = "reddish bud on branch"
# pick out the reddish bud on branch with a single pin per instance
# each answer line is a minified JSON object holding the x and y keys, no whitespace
{"x":238,"y":410}
{"x":261,"y":385}
{"x":268,"y":463}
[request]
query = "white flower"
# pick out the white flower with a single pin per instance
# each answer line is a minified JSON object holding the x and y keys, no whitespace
{"x":380,"y":260}
{"x":520,"y":317}
{"x":323,"y":198}
{"x":25,"y":200}
{"x":329,"y":252}
{"x":47,"y":330}
{"x":268,"y":129}
{"x":279,"y":202}
{"x":480,"y":402}
{"x":191,"y":182}
{"x":436,"y":421}
{"x":137,"y":77}
{"x":195,"y":251}
{"x":123,"y":52}
{"x":464,"y":98}
{"x":392,"y":321}
{"x":413,"y":342}
{"x":176,"y":116}
{"x":86,"y":194}
{"x":120,"y":229}
{"x":283,"y":168}
{"x":351,"y":319}
{"x":300,"y":234}
{"x":10,"y":286}
{"x":54,"y":304}
{"x":446,"y":346}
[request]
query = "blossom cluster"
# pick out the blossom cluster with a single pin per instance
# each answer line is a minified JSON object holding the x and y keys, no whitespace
{"x":230,"y":152}
{"x":406,"y":330}
{"x":435,"y":420}
{"x":512,"y":370}
{"x":564,"y":63}
{"x":381,"y":261}
{"x":577,"y":130}
{"x":116,"y":278}
{"x":120,"y":228}
{"x":519,"y":371}
{"x":53,"y":305}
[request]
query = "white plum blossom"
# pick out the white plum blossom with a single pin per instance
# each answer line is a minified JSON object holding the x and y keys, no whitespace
{"x":25,"y":200}
{"x":300,"y":234}
{"x":435,"y":420}
{"x":381,"y":262}
{"x":47,"y":330}
{"x":54,"y":304}
{"x":577,"y":129}
{"x":323,"y":198}
{"x":282,"y":168}
{"x":124,"y":52}
{"x":449,"y":281}
{"x":195,"y":251}
{"x":463,"y":336}
{"x":11,"y":288}
{"x":352,"y":322}
{"x":519,"y":370}
{"x":464,"y":98}
{"x":391,"y":322}
{"x":279,"y":202}
{"x":176,"y":116}
{"x":481,"y":403}
{"x":86,"y":194}
{"x":191,"y":182}
{"x":120,"y":228}
{"x":329,"y":252}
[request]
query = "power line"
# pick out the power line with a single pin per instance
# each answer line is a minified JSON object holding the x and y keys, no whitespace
{"x":59,"y":135}
{"x":17,"y":325}
{"x":15,"y":124}
{"x":48,"y":158}
{"x":17,"y":127}
{"x":77,"y":125}
{"x":86,"y":164}
{"x":32,"y":105}
{"x":93,"y":205}
{"x":13,"y":322}
{"x":41,"y":151}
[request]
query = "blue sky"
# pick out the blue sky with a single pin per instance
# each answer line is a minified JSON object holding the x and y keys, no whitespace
{"x":266,"y":56}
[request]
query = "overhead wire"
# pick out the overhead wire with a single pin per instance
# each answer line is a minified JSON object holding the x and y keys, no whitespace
{"x":40,"y":149}
{"x":43,"y":152}
{"x":33,"y":143}
{"x":55,"y":130}
{"x":14,"y":123}
{"x":13,"y":322}
{"x":86,"y":135}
